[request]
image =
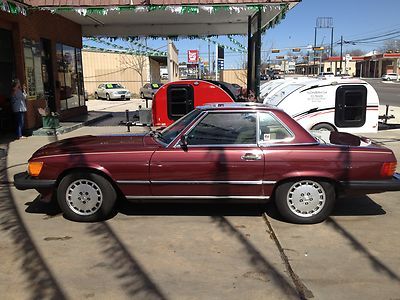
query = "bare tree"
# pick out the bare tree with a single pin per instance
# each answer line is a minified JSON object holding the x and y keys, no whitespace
{"x":356,"y":52}
{"x":136,"y":61}
{"x":390,"y":45}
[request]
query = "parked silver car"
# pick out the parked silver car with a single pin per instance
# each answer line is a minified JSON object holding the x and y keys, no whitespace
{"x":390,"y":76}
{"x":112,"y":91}
{"x":149,"y":89}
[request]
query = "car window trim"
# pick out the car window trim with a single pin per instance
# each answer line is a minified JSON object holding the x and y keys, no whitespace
{"x":201,"y":117}
{"x":276,"y":143}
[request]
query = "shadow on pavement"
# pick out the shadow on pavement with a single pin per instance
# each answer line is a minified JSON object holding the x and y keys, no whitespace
{"x":348,"y":206}
{"x":190,"y":209}
{"x":376,"y":263}
{"x":382,"y":126}
{"x":40,"y":282}
{"x":257,"y":259}
{"x":357,"y":206}
{"x":39,"y":207}
{"x":134,"y":280}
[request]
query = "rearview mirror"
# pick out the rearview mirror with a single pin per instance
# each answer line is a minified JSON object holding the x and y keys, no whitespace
{"x":183,"y":142}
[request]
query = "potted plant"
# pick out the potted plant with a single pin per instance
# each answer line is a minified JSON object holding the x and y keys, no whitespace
{"x":49,"y":119}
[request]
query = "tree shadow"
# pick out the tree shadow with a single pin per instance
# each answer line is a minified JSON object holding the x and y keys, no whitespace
{"x":40,"y":282}
{"x":379,"y":266}
{"x":134,"y":279}
{"x":257,"y":260}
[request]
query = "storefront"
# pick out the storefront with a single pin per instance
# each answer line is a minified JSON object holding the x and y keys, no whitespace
{"x":43,"y":50}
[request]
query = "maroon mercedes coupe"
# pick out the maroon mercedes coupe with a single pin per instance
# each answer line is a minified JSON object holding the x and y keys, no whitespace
{"x":223,"y":152}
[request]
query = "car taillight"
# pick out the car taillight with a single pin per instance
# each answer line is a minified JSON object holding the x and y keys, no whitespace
{"x":388,"y":169}
{"x":34,"y":168}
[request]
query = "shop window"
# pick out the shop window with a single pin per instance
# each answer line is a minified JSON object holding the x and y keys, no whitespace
{"x":69,"y":76}
{"x":33,"y":69}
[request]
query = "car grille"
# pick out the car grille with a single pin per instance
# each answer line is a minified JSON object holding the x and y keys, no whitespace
{"x":122,"y":92}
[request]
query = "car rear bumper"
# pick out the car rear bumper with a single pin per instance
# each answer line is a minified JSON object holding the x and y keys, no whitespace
{"x":371,"y":186}
{"x":22,"y":181}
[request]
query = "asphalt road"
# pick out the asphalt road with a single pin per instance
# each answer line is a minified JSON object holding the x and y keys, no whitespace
{"x":388,"y":92}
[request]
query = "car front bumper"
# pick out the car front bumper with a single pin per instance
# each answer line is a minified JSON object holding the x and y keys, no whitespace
{"x":371,"y":186}
{"x":120,"y":96}
{"x":23,"y":181}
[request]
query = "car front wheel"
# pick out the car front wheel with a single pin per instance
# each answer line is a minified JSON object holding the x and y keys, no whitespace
{"x":108,"y":97}
{"x":305,"y":201}
{"x":86,"y":197}
{"x":96,"y":96}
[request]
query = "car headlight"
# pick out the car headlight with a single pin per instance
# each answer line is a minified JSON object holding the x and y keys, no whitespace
{"x":34,"y":168}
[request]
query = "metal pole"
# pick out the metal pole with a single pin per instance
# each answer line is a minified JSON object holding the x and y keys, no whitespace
{"x":315,"y":45}
{"x":331,"y":48}
{"x":258,"y":56}
{"x":209,"y":59}
{"x":341,"y":54}
{"x":249,"y":56}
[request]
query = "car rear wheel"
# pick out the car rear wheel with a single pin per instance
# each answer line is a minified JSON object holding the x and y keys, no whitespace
{"x":305,"y":201}
{"x":324,"y":127}
{"x":86,"y":197}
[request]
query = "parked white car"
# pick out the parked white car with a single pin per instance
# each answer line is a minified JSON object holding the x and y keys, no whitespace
{"x":390,"y":76}
{"x":112,"y":91}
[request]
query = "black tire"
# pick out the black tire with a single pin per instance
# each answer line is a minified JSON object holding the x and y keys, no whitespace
{"x":96,"y":96}
{"x":141,"y":95}
{"x":108,"y":97}
{"x":323,"y":126}
{"x":98,"y":210}
{"x":286,"y":193}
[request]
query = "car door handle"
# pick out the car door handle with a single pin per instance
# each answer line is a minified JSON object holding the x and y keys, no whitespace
{"x":251,"y":156}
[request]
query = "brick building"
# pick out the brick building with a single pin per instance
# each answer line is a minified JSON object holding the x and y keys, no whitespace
{"x":43,"y":50}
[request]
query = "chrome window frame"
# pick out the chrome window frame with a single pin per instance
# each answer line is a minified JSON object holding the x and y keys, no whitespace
{"x":201,"y":117}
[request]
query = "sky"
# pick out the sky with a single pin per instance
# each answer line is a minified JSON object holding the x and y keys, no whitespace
{"x":354,"y":19}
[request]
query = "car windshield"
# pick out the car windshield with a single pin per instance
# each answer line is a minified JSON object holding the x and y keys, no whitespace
{"x":114,"y":86}
{"x":172,"y":131}
{"x":156,"y":85}
{"x":283,"y":93}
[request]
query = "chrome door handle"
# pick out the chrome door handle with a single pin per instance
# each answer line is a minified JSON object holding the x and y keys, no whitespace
{"x":251,"y":156}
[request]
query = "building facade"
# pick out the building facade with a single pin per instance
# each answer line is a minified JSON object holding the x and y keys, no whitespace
{"x":46,"y":59}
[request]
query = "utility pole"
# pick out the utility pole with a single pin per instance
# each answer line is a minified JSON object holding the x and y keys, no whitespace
{"x":315,"y":46}
{"x":209,"y":60}
{"x":341,"y":53}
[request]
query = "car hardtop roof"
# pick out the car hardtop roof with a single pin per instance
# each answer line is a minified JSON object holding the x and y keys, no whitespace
{"x":333,"y":81}
{"x":236,"y":105}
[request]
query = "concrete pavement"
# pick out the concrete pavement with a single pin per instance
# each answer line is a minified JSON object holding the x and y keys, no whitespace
{"x":193,"y":251}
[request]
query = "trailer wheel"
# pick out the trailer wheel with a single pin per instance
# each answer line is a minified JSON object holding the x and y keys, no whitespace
{"x":324,"y":127}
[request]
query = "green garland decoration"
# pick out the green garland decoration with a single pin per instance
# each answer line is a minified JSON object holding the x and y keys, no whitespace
{"x":236,"y":43}
{"x":147,"y":50}
{"x":13,"y":8}
{"x":222,"y":45}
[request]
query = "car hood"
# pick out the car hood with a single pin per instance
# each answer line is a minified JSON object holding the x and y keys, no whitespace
{"x":96,"y":144}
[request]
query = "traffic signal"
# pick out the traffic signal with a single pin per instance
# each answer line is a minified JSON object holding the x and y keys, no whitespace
{"x":275,"y":50}
{"x":318,"y":48}
{"x":296,"y":49}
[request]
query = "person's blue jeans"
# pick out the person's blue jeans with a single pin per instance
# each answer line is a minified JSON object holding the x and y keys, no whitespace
{"x":20,"y":123}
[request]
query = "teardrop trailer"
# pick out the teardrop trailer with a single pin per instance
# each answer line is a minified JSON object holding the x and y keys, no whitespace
{"x":334,"y":104}
{"x":175,"y":99}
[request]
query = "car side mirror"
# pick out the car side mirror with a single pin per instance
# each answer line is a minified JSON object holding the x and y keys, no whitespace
{"x":183,"y":142}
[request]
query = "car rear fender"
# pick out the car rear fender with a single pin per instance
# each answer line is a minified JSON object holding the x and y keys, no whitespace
{"x":316,"y":176}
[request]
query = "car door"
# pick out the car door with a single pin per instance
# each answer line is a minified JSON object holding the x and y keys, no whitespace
{"x":274,"y":136}
{"x":222,"y":159}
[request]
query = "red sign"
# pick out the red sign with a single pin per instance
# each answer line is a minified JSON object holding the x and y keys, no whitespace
{"x":193,"y":56}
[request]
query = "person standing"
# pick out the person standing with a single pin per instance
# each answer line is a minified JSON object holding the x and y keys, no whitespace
{"x":18,"y":104}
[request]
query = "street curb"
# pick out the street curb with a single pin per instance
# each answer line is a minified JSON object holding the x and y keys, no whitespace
{"x":62,"y":129}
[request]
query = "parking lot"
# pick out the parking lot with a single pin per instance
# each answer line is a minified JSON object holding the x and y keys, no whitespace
{"x":193,"y":251}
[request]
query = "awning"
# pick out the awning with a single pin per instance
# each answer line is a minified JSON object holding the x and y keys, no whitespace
{"x":172,"y":20}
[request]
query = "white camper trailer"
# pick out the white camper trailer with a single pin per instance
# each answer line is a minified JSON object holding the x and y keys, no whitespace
{"x":348,"y":105}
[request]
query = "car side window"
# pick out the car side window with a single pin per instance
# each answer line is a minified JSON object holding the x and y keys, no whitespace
{"x":272,"y":130}
{"x":225,"y":129}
